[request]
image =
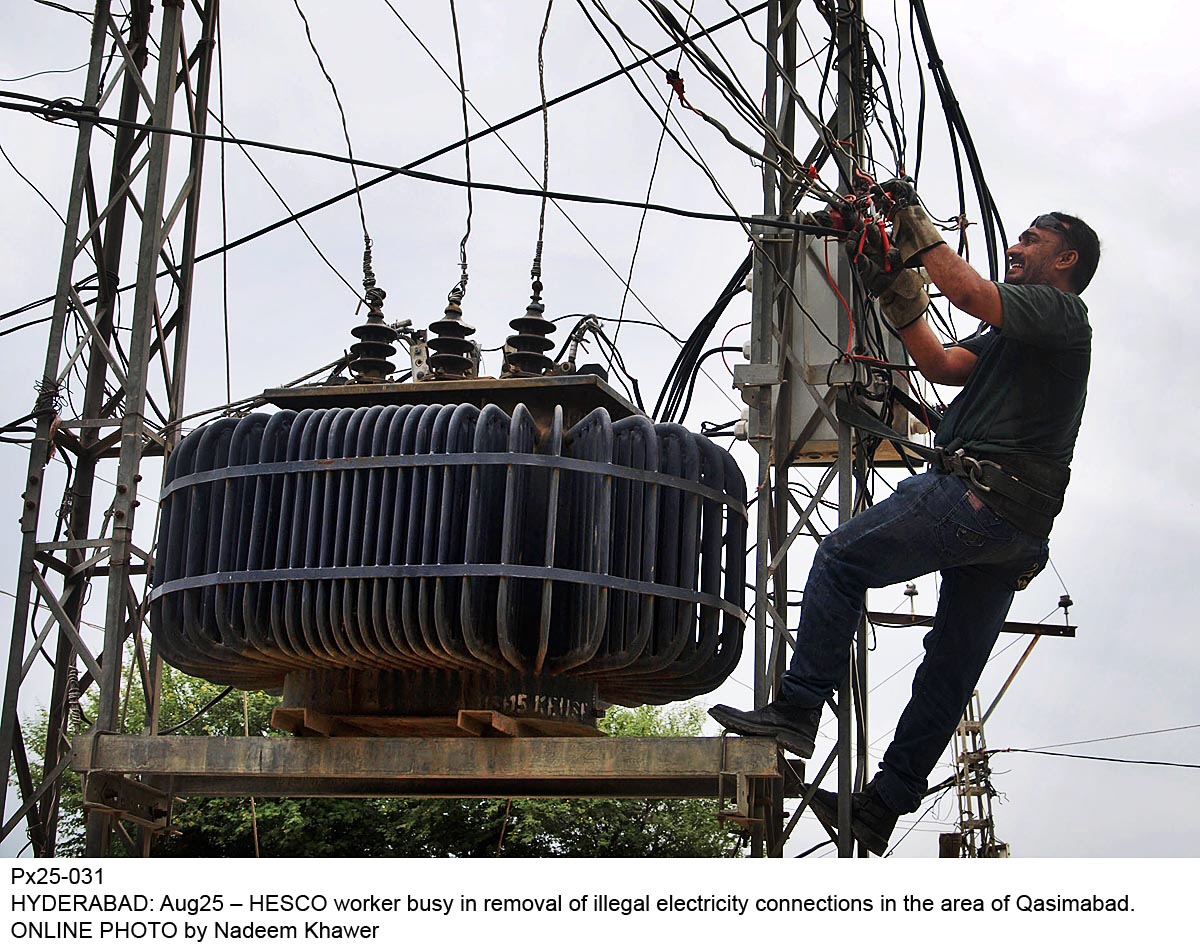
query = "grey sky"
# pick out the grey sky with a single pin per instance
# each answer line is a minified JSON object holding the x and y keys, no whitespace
{"x":1071,"y":108}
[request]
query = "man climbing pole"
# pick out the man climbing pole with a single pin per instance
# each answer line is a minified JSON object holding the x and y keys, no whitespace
{"x":982,"y":513}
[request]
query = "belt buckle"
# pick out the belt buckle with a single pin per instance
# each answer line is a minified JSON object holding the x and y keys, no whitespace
{"x":974,"y":471}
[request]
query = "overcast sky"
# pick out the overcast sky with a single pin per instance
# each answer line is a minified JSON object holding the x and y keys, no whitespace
{"x":1071,"y":108}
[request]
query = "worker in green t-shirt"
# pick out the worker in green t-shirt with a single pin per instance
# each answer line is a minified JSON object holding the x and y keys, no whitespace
{"x":981,"y":515}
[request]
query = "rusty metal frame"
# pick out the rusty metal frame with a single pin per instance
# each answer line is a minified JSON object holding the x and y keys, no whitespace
{"x":133,"y":392}
{"x":591,"y":767}
{"x":135,"y":778}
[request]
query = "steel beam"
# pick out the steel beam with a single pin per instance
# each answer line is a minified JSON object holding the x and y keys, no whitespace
{"x":666,"y":767}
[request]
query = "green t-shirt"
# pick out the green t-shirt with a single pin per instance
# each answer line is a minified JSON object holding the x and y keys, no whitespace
{"x":1027,"y":389}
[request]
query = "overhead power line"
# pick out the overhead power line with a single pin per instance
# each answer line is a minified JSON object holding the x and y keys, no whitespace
{"x":535,"y":110}
{"x":55,"y":111}
{"x":524,"y":167}
{"x":1119,"y":736}
{"x":1104,"y":759}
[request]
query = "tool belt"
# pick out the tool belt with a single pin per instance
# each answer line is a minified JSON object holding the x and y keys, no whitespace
{"x":1024,"y":489}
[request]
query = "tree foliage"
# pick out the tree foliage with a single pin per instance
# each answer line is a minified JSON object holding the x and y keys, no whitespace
{"x":380,"y":827}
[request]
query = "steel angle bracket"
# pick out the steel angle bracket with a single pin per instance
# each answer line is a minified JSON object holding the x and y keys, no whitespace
{"x":746,"y":806}
{"x":753,"y":375}
{"x":742,"y":808}
{"x":127,"y":799}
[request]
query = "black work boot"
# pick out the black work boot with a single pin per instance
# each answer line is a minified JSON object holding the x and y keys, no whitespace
{"x":871,"y":819}
{"x":794,"y":727}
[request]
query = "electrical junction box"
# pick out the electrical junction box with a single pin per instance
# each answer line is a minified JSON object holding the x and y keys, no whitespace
{"x":806,"y":371}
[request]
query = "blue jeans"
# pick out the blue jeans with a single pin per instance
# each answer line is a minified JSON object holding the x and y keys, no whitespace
{"x":932,"y":522}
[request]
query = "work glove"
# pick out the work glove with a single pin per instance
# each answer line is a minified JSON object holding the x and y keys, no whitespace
{"x":900,"y":192}
{"x":904,"y":300}
{"x":912,"y":231}
{"x":877,"y":264}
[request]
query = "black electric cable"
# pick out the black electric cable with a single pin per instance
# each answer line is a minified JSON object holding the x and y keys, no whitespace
{"x":745,"y":220}
{"x":782,"y":223}
{"x":368,"y":277}
{"x":628,"y":320}
{"x":535,"y":270}
{"x":696,"y":372}
{"x":199,"y":713}
{"x":341,"y":196}
{"x":674,"y":387}
{"x":993,"y":227}
{"x":459,"y":291}
{"x":525,"y":168}
{"x":283,"y":201}
{"x":637,"y":241}
{"x":915,"y":824}
{"x":43,"y":72}
{"x":1102,"y":759}
{"x":1119,"y":736}
{"x":86,"y":17}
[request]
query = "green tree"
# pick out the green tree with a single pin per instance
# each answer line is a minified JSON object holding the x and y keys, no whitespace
{"x":405,"y":827}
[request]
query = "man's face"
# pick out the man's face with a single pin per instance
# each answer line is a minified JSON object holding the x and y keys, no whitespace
{"x":1031,"y":259}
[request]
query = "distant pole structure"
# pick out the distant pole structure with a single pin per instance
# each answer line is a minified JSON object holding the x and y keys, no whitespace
{"x":790,"y":388}
{"x":132,"y":360}
{"x":976,"y":836}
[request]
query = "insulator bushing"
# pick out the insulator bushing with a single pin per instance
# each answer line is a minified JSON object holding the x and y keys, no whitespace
{"x":525,"y":351}
{"x":369,"y":361}
{"x":450,"y":351}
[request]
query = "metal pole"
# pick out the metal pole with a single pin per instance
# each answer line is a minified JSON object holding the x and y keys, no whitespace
{"x":849,"y":112}
{"x":133,"y":425}
{"x":762,"y":413}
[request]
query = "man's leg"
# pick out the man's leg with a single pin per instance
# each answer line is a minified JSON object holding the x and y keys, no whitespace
{"x":895,"y":540}
{"x":973,"y":605}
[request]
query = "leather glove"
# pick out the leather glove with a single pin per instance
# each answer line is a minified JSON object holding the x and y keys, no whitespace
{"x":905,"y":300}
{"x":913,"y":233}
{"x":876,"y":267}
{"x":901,"y":192}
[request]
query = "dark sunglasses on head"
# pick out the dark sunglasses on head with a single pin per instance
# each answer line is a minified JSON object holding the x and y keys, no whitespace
{"x":1051,"y":223}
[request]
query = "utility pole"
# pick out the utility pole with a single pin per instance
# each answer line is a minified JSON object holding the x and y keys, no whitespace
{"x":787,"y":385}
{"x":132,"y":396}
{"x":976,"y":837}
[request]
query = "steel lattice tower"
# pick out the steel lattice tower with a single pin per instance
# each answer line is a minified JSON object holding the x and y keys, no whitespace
{"x":133,"y":391}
